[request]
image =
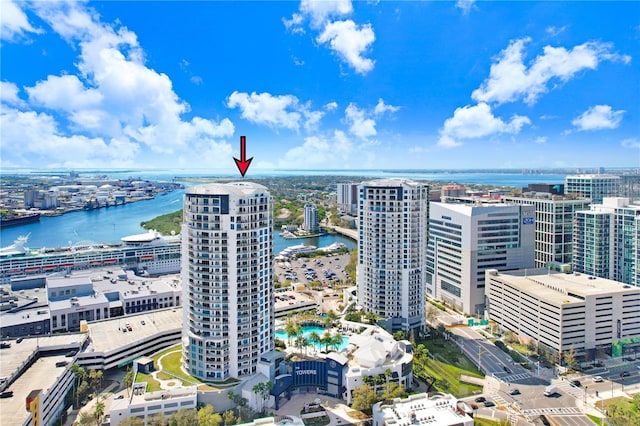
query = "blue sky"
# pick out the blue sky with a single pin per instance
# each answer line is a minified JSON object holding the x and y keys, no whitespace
{"x":320,"y":84}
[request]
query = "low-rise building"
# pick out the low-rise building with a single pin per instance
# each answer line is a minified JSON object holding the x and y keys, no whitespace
{"x":420,"y":409}
{"x":144,"y":404}
{"x":565,"y":312}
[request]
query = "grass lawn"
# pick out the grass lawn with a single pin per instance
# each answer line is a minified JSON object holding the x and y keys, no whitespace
{"x":595,"y":419}
{"x":446,"y":363}
{"x":521,"y":348}
{"x":161,"y":375}
{"x":171,"y":368}
{"x":152,"y":384}
{"x":477,"y":421}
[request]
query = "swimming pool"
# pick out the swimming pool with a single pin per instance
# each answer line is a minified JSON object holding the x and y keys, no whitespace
{"x":307,"y":330}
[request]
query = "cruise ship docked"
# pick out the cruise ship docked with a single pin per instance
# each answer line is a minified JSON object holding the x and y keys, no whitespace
{"x":150,"y":252}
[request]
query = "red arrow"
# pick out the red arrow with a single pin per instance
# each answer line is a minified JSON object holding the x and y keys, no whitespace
{"x":243,"y":162}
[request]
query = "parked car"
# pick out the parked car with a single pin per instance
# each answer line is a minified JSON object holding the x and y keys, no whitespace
{"x":576,"y":383}
{"x":489,"y":404}
{"x":6,"y":394}
{"x":515,"y":392}
{"x":481,"y":399}
{"x":624,"y":374}
{"x":597,"y":379}
{"x":19,"y":339}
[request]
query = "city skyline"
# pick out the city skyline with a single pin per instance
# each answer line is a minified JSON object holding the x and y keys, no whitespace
{"x":316,"y":85}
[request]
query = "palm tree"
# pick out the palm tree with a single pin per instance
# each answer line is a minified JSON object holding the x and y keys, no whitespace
{"x":387,"y":374}
{"x":314,"y":337}
{"x":336,"y":341}
{"x":98,"y":412}
{"x":326,"y":340}
{"x":291,"y":329}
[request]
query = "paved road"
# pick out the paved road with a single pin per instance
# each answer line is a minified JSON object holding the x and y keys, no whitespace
{"x":493,"y":361}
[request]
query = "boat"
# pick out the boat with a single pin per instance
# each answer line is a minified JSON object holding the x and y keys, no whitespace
{"x":15,"y":219}
{"x":17,"y":248}
{"x":151,"y":251}
{"x":300,"y":248}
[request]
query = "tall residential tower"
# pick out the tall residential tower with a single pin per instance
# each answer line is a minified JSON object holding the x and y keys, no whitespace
{"x":393,"y":233}
{"x":227,"y":245}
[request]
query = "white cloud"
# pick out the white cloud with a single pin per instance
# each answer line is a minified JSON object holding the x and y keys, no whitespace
{"x":540,"y":140}
{"x":9,"y":94}
{"x":320,"y":10}
{"x":264,"y":108}
{"x":598,"y":117}
{"x":465,"y":5}
{"x":633,"y":143}
{"x":29,"y":136}
{"x":359,"y":124}
{"x":350,"y":42}
{"x":312,"y":119}
{"x":331,"y":106}
{"x":477,"y":121}
{"x":334,"y":151}
{"x":294,"y":23}
{"x":115,"y":105}
{"x":510,"y":79}
{"x":381,"y":108}
{"x":14,"y":22}
{"x":554,"y":31}
{"x":65,"y":93}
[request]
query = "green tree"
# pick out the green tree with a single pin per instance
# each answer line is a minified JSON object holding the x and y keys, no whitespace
{"x":326,"y":340}
{"x":332,"y":317}
{"x":399,"y":335}
{"x":570,"y":357}
{"x":132,"y":421}
{"x":432,"y":314}
{"x":292,"y":329}
{"x":229,"y":418}
{"x":85,"y":419}
{"x":208,"y":417}
{"x":388,"y":374}
{"x":98,"y":412}
{"x":80,"y":374}
{"x":363,"y":398}
{"x":95,"y":377}
{"x":262,"y":390}
{"x":127,"y":381}
{"x":184,"y":417}
{"x":157,"y":420}
{"x":83,"y":390}
{"x":393,"y":390}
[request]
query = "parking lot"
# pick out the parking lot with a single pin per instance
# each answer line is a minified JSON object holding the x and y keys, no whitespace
{"x":328,"y":269}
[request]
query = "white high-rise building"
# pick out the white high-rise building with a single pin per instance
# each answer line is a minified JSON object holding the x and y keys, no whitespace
{"x":392,"y":248}
{"x":310,"y":223}
{"x":347,"y":198}
{"x":606,"y":240}
{"x":554,"y":226}
{"x":593,"y":186}
{"x":227,"y":247}
{"x":467,"y":239}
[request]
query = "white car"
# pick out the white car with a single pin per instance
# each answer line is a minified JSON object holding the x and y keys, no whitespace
{"x":598,"y":379}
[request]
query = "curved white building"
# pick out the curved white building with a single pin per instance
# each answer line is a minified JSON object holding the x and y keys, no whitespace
{"x":392,"y":249}
{"x":227,"y":279}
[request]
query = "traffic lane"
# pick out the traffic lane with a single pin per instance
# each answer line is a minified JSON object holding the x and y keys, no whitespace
{"x":570,"y":420}
{"x":504,"y":359}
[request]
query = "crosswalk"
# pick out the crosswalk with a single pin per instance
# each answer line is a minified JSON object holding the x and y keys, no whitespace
{"x":565,"y":387}
{"x":500,"y":401}
{"x":553,"y":411}
{"x":512,"y":378}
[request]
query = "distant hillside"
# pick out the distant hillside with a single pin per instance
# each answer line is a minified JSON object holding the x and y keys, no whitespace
{"x":166,"y":223}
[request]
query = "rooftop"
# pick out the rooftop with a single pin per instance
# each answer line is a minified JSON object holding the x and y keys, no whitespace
{"x":106,"y":335}
{"x":438,"y":410}
{"x":560,"y":288}
{"x":239,"y":189}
